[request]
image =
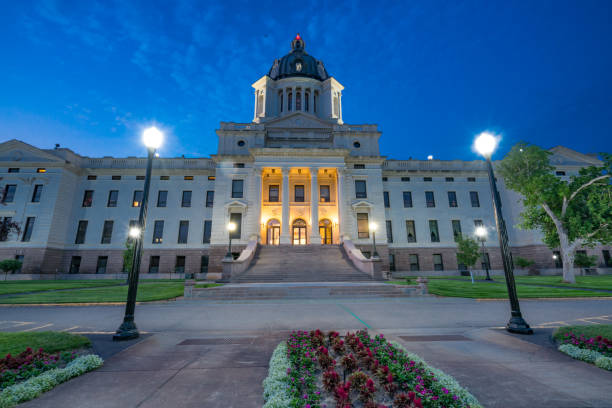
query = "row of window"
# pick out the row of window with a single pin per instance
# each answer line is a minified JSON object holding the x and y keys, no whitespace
{"x":17,"y":169}
{"x":158,"y":231}
{"x":298,"y":193}
{"x":179,"y":264}
{"x":8,"y":195}
{"x":162,"y":198}
{"x":437,"y":260}
{"x":430,"y":199}
{"x":117,"y":177}
{"x":447,"y":179}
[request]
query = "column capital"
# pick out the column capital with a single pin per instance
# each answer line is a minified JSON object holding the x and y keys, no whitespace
{"x":314,"y":170}
{"x":285,"y":171}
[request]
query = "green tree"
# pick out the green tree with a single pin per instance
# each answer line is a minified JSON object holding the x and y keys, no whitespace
{"x":585,"y":261}
{"x":570,"y":214}
{"x":523,"y":262}
{"x":467,"y":251}
{"x":9,"y":265}
{"x":128,"y":255}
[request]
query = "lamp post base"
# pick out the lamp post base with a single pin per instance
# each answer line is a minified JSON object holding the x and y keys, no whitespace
{"x":127,"y":331}
{"x":518,"y":325}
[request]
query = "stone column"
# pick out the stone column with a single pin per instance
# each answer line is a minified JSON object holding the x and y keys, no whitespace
{"x":255,"y":113}
{"x":285,"y":237}
{"x":340,"y":201}
{"x":315,"y":237}
{"x":257,"y":199}
{"x":285,"y":101}
{"x":293,"y":92}
{"x":340,"y":106}
{"x":311,"y":101}
{"x":303,"y":102}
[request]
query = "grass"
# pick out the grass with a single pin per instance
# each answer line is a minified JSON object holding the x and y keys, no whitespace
{"x":147,"y":291}
{"x":590,"y":282}
{"x":10,"y":287}
{"x":16,"y":342}
{"x":207,"y":285}
{"x":483,"y":290}
{"x":593,"y":330}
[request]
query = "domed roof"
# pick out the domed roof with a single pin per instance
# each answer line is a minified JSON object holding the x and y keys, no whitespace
{"x":298,"y":64}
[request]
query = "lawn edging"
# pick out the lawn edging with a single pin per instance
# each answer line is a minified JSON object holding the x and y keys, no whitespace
{"x":33,"y":387}
{"x":586,"y":355}
{"x":276,"y":384}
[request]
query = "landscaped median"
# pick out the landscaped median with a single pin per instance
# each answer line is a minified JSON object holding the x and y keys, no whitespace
{"x":311,"y":370}
{"x":27,"y":372}
{"x":592,"y":344}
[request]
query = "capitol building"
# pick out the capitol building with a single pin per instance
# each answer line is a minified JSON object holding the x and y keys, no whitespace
{"x":304,"y":189}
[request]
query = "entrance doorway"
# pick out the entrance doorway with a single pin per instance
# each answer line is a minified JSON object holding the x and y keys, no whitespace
{"x":273,"y":232}
{"x":299,"y":232}
{"x":326,"y":231}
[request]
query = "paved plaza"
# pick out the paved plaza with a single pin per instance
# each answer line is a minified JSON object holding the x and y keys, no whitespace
{"x":215,"y":354}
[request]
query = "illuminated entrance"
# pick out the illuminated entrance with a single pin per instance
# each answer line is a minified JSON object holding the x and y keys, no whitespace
{"x":273,"y":233}
{"x":299,"y":232}
{"x":325,"y":230}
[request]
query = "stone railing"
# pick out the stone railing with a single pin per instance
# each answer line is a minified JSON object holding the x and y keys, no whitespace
{"x":370,"y":266}
{"x":233,"y":267}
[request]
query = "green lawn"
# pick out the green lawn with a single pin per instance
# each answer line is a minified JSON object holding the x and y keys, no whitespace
{"x":16,"y":342}
{"x":593,"y":330}
{"x":8,"y":287}
{"x":147,"y":291}
{"x":591,"y":282}
{"x":484,"y":290}
{"x":207,"y":285}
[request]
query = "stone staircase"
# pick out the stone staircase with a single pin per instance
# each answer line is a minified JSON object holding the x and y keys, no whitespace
{"x":301,"y":263}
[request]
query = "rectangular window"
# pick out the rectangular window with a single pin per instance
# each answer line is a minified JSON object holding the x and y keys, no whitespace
{"x":13,"y":170}
{"x":452,"y":199}
{"x":471,"y":179}
{"x":137,"y":201}
{"x":239,"y":165}
{"x":449,"y":179}
{"x":140,"y":177}
{"x":6,"y":221}
{"x":207,"y":231}
{"x":456,"y":228}
{"x":188,"y":178}
{"x":236,"y":218}
{"x":405,"y":178}
{"x":88,"y":198}
{"x":560,"y":173}
{"x":113,"y":196}
{"x":164,"y":177}
{"x":391,"y":262}
{"x":363,"y":226}
{"x":154,"y":264}
{"x":37,"y":193}
{"x":237,"y":188}
{"x":414,"y":262}
{"x":211,"y":178}
{"x":162,"y":198}
{"x":20,"y":259}
{"x":101,"y":264}
{"x":299,"y":193}
{"x":186,"y":199}
{"x":410,"y":231}
{"x":158,"y":232}
{"x":107,"y":232}
{"x":210,"y":198}
{"x":426,"y":178}
{"x":204,"y":264}
{"x":433,"y":231}
{"x":389,"y":231}
{"x":386,"y":199}
{"x":183,"y":231}
{"x":407,"y":199}
{"x":324,"y":195}
{"x":116,"y":177}
{"x":81,"y":232}
{"x":385,"y":179}
{"x":273,"y":193}
{"x":437,"y":261}
{"x":92,"y":177}
{"x":474,"y":199}
{"x":478,"y":223}
{"x":27,"y":231}
{"x":606,"y":256}
{"x":359,"y":166}
{"x":179,"y":266}
{"x":429,"y":199}
{"x":75,"y":264}
{"x":360,"y":189}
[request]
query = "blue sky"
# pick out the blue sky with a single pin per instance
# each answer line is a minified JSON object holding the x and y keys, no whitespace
{"x":90,"y":74}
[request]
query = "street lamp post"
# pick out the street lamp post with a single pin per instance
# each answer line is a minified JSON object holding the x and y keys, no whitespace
{"x":231,"y":227}
{"x":481,"y":233}
{"x":373,"y":227}
{"x":485,"y":144}
{"x":152,"y":139}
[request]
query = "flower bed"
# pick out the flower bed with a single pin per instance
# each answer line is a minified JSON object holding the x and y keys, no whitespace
{"x":598,"y":343}
{"x":30,"y":363}
{"x":313,"y":370}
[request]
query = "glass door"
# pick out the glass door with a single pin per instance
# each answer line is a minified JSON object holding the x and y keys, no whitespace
{"x":325,"y":231}
{"x":299,"y":232}
{"x":273,"y":232}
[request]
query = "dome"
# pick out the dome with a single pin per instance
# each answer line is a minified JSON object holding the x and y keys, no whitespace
{"x":298,"y":64}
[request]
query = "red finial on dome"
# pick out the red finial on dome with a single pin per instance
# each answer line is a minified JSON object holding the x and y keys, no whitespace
{"x":297,"y":37}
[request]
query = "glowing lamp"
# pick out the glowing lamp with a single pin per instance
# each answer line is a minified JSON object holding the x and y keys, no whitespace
{"x":152,"y":137}
{"x":486,"y":143}
{"x":231,"y":226}
{"x":134,"y":232}
{"x":481,"y":232}
{"x":373,"y":226}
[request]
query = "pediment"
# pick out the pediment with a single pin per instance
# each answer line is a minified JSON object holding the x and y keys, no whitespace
{"x":18,"y":151}
{"x":563,"y":156}
{"x":361,"y":204}
{"x":236,"y":204}
{"x":298,"y":120}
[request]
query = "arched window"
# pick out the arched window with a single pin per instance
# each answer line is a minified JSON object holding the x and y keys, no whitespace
{"x":280,"y":100}
{"x":298,"y":100}
{"x":289,"y":99}
{"x":307,"y":101}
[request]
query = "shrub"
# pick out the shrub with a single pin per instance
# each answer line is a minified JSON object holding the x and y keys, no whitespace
{"x":331,"y":379}
{"x":338,"y":346}
{"x":604,"y":362}
{"x":589,"y":356}
{"x":349,"y":363}
{"x":408,"y":400}
{"x":367,"y":391}
{"x":358,"y":379}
